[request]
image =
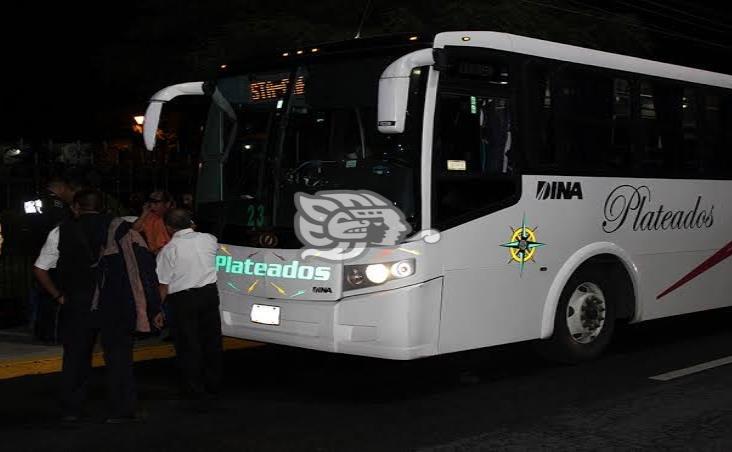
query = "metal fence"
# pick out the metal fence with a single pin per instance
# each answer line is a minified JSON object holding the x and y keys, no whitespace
{"x":116,"y":167}
{"x":15,"y":288}
{"x":15,"y":276}
{"x":122,"y":169}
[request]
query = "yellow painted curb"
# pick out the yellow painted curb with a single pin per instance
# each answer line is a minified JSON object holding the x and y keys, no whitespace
{"x":51,"y":364}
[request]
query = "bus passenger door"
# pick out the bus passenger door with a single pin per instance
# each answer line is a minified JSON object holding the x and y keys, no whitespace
{"x":475,"y":189}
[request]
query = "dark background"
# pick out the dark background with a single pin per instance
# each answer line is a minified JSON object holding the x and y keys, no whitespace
{"x":73,"y":71}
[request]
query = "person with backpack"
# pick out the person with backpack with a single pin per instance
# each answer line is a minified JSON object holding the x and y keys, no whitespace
{"x":106,"y":287}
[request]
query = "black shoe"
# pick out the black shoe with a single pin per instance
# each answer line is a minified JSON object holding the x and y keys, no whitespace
{"x":211,"y":396}
{"x":70,"y":419}
{"x":191,"y":394}
{"x":123,"y":420}
{"x":166,"y":335}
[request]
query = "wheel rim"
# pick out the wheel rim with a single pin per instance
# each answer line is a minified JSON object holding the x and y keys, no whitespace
{"x":586,"y":313}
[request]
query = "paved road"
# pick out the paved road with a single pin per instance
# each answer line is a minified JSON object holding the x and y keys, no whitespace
{"x":286,"y":399}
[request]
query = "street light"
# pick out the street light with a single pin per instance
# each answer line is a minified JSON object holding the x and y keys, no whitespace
{"x":137,"y":126}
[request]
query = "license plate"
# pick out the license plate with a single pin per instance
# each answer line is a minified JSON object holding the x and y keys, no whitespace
{"x":267,"y":315}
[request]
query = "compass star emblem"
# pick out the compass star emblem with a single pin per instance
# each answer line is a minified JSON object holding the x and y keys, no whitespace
{"x":523,"y":244}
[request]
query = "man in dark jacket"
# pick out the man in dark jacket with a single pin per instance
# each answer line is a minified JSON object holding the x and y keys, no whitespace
{"x":97,"y":295}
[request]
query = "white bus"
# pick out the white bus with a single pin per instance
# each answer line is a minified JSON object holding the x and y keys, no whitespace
{"x":572,"y":189}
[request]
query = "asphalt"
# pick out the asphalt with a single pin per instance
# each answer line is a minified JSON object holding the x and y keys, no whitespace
{"x":504,"y":398}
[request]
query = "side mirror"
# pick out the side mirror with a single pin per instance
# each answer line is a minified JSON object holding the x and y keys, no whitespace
{"x":394,"y":90}
{"x":155,"y":107}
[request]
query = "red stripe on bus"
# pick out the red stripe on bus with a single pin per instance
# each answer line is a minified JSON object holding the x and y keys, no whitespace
{"x":716,"y":258}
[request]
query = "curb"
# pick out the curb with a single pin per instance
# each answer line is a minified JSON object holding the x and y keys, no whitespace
{"x":52,"y":364}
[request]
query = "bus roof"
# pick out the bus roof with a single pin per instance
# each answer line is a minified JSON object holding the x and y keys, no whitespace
{"x":581,"y":55}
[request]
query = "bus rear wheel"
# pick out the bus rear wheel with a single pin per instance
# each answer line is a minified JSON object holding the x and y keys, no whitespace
{"x":585,"y":318}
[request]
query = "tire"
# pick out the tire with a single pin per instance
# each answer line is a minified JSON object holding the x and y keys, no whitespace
{"x":585,"y":318}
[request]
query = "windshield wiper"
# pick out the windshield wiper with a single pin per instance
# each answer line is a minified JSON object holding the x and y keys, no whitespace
{"x":361,"y":132}
{"x":218,"y":98}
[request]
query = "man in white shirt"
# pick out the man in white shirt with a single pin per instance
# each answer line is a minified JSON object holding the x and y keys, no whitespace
{"x":187,"y":275}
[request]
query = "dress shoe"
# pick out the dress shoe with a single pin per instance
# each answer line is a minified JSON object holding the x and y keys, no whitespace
{"x":123,"y":420}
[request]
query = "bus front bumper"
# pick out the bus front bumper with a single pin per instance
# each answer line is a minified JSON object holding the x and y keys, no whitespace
{"x":400,"y":323}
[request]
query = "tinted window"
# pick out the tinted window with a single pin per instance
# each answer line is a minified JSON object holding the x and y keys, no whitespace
{"x":589,"y":121}
{"x":473,"y":159}
{"x":579,"y":120}
{"x":692,"y":161}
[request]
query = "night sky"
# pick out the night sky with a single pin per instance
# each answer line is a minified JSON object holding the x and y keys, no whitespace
{"x":71,"y":71}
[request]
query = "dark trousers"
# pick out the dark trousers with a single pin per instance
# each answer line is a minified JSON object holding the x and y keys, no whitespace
{"x":196,"y":328}
{"x":79,"y":334}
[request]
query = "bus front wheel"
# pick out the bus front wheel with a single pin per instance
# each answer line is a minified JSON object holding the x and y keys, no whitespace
{"x":585,"y":318}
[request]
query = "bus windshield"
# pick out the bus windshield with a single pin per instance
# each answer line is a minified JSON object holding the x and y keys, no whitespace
{"x":305,"y":128}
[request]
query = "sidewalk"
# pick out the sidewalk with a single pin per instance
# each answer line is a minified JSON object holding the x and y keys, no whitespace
{"x":21,"y":354}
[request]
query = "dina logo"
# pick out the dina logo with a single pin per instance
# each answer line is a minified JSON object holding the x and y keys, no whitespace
{"x":322,"y":290}
{"x":558,"y":190}
{"x":339,"y":225}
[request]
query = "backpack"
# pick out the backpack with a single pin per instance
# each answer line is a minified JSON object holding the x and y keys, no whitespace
{"x":126,"y":280}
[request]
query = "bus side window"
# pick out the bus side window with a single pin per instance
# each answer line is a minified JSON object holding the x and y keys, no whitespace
{"x":717,"y":133}
{"x":619,"y":159}
{"x":725,"y":150}
{"x":692,"y":162}
{"x":712,"y":132}
{"x":582,"y":105}
{"x":661,"y":123}
{"x":538,"y":136}
{"x":649,"y":125}
{"x":579,"y":120}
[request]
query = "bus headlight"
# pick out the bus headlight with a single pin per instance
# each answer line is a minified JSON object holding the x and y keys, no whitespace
{"x":402,"y":269}
{"x":366,"y":275}
{"x":377,"y":273}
